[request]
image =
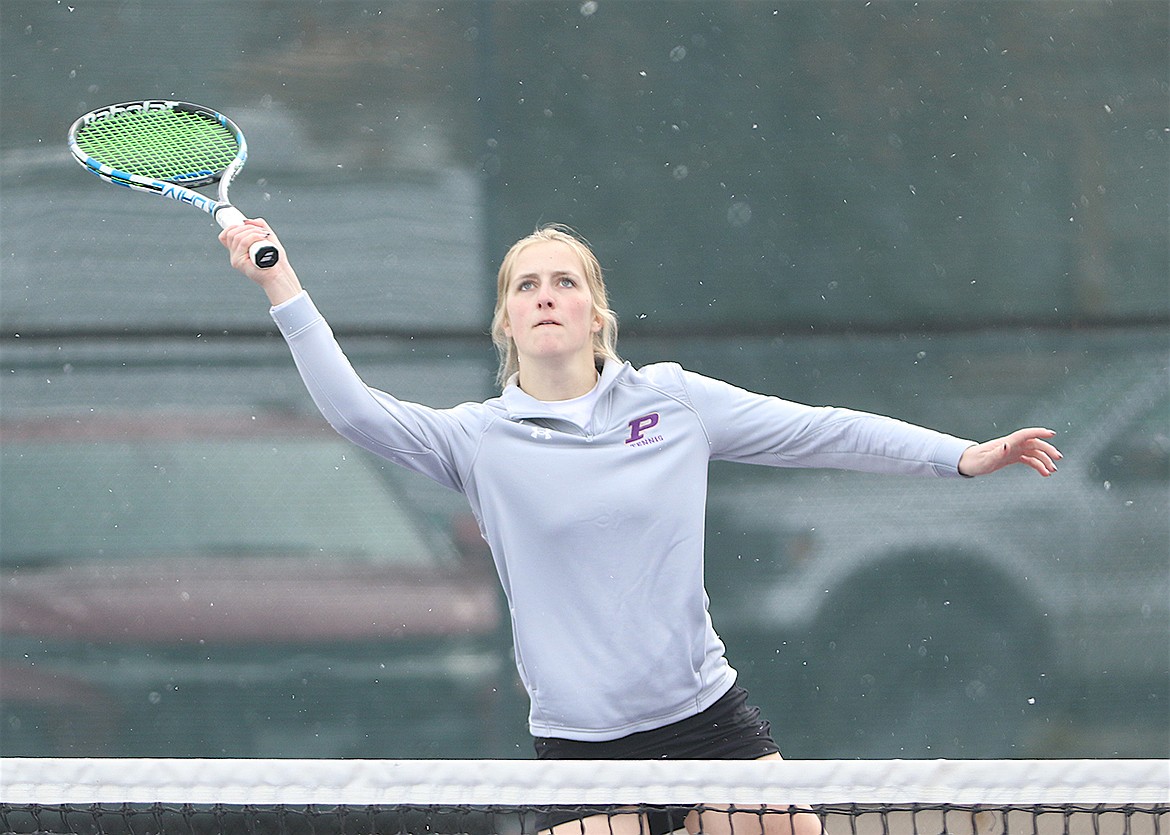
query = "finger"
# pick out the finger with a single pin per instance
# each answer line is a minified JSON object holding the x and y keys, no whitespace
{"x":260,"y":224}
{"x":1031,"y":435}
{"x":1041,"y":447}
{"x":233,"y":236}
{"x":241,"y":238}
{"x":1039,"y":466}
{"x":1033,"y":444}
{"x":1049,"y":450}
{"x":1045,"y":461}
{"x":1040,"y":461}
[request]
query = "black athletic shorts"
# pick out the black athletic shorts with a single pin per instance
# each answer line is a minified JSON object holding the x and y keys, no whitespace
{"x":730,"y":729}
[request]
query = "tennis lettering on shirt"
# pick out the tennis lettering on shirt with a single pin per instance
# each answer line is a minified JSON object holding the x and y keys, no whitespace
{"x":639,"y":426}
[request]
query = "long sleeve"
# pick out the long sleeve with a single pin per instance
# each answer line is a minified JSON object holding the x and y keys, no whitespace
{"x":759,"y":429}
{"x":427,"y":440}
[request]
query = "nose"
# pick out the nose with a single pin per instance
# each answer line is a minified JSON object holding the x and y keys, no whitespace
{"x":544,"y":299}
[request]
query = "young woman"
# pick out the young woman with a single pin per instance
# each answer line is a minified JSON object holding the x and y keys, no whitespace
{"x":588,"y":479}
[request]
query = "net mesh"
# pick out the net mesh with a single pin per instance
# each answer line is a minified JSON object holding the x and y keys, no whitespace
{"x":172,"y":144}
{"x":916,"y":819}
{"x":1104,"y":797}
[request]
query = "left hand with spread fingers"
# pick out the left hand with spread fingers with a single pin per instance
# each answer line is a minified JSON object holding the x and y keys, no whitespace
{"x":1024,"y":446}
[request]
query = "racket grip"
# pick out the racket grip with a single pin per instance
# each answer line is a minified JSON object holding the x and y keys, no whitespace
{"x":264,"y":254}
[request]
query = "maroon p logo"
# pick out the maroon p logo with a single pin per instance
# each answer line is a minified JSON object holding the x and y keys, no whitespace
{"x":640,"y":426}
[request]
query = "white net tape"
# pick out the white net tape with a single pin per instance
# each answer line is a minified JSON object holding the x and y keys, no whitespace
{"x":523,"y":782}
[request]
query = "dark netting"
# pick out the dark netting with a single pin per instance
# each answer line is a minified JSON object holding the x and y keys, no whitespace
{"x":837,"y":819}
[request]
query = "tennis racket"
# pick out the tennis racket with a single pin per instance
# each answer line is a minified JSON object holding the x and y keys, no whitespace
{"x":168,"y":148}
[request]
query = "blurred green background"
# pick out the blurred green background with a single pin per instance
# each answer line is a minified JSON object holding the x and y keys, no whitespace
{"x":955,"y":213}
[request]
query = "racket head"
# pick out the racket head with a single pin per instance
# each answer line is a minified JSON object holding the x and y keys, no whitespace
{"x":144,"y":144}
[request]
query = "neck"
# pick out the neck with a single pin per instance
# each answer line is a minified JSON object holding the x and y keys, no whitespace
{"x":557,"y":383}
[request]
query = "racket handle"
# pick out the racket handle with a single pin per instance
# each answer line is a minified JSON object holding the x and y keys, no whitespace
{"x":264,"y":254}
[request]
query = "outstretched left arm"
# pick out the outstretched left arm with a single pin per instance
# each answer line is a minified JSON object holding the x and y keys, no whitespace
{"x":1024,"y":446}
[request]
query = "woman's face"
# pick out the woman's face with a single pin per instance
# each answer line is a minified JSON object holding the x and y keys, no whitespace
{"x":549,"y":306}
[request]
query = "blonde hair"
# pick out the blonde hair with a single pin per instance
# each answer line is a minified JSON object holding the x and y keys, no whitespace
{"x":604,"y":341}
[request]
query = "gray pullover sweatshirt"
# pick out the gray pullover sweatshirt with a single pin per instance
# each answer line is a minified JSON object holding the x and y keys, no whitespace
{"x":597,"y":533}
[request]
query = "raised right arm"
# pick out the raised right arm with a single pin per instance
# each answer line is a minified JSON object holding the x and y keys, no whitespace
{"x":426,"y":440}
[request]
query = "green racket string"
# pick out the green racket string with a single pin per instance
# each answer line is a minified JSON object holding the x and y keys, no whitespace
{"x":174,"y":145}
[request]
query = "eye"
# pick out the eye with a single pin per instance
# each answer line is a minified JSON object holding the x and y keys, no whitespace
{"x":526,"y":284}
{"x":567,"y":281}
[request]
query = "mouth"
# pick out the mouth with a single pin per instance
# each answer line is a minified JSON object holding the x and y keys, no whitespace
{"x":544,"y":322}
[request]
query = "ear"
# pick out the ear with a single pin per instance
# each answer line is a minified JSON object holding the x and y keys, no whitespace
{"x":598,"y":324}
{"x":506,"y":326}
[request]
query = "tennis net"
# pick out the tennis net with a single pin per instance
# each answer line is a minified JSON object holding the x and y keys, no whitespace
{"x":511,"y":797}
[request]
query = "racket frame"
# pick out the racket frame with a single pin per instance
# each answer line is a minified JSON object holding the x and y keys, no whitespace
{"x":182,"y":191}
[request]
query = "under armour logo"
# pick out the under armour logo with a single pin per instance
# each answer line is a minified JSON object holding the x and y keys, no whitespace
{"x":541,"y":432}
